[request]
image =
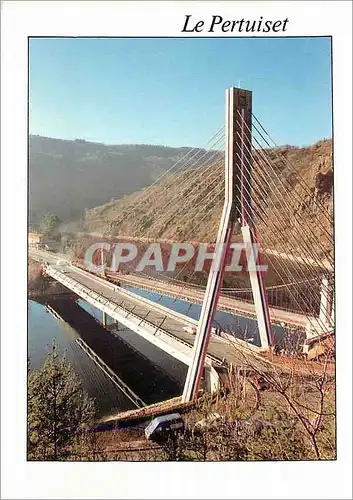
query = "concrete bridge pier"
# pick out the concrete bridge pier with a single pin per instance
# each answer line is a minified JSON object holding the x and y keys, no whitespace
{"x":113,"y":323}
{"x":212,"y":380}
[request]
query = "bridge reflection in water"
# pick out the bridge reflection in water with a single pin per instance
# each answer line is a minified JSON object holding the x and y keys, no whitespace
{"x":151,"y":380}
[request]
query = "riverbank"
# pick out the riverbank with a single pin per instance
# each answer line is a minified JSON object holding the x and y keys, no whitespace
{"x":41,"y":286}
{"x":285,"y":419}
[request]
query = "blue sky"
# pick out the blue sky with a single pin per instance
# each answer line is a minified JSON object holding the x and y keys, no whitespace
{"x":171,"y":91}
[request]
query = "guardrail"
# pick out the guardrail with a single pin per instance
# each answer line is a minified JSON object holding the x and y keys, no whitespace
{"x":148,"y":302}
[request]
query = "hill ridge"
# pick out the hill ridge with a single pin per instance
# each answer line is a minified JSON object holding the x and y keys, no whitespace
{"x":67,"y":177}
{"x":312,"y":163}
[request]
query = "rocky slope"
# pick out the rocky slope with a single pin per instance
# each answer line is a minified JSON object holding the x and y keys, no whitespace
{"x":196,"y":210}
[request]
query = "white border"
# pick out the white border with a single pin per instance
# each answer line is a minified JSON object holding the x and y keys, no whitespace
{"x":113,"y":480}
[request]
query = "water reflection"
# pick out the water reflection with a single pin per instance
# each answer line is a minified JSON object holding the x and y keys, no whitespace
{"x":139,"y":373}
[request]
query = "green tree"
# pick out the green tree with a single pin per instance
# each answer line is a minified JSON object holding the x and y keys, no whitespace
{"x":58,"y":409}
{"x":49,"y":225}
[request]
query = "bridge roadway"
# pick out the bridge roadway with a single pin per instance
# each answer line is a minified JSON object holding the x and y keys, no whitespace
{"x":157,"y":324}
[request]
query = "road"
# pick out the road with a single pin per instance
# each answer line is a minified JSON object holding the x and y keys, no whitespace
{"x":323,"y":264}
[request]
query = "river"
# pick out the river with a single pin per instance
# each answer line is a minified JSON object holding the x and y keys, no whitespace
{"x":148,"y":371}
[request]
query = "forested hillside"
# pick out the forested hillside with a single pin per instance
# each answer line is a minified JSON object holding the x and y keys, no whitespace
{"x":66,"y":177}
{"x":151,"y":216}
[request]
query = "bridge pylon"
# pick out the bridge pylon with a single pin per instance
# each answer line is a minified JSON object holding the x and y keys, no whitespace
{"x":236,"y":209}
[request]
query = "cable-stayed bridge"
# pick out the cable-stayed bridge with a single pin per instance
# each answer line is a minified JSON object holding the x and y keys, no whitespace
{"x":243,"y":183}
{"x":166,"y":329}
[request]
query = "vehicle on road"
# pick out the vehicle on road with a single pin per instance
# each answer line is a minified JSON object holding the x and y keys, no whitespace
{"x":190,"y":329}
{"x":193,"y":330}
{"x":161,"y":427}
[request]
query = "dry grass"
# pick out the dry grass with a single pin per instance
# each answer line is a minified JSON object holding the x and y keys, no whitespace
{"x":271,"y":416}
{"x":151,"y":219}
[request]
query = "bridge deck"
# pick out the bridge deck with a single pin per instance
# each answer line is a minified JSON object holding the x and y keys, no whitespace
{"x":168,"y":322}
{"x":218,"y":348}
